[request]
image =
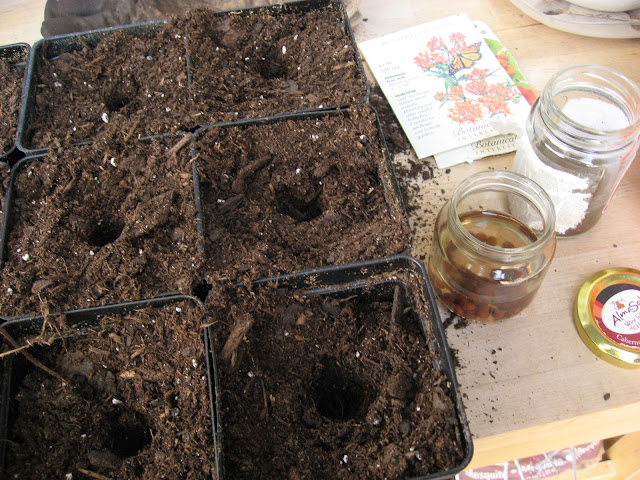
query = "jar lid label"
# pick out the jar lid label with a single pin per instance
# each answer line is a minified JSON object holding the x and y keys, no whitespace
{"x":616,"y":311}
{"x":607,"y":315}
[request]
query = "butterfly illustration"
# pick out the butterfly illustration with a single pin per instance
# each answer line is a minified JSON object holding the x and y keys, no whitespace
{"x":465,"y":58}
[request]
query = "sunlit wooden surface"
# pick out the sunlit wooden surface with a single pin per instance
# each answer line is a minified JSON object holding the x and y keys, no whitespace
{"x":529,"y":383}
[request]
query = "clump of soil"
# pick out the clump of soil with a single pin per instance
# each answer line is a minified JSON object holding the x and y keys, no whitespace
{"x":129,"y":400}
{"x":198,"y":68}
{"x":274,"y":61}
{"x":110,"y":222}
{"x":297,"y":194}
{"x":11,"y":76}
{"x":78,"y":94}
{"x":329,"y":387}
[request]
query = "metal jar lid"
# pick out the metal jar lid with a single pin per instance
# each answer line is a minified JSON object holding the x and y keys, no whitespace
{"x":607,"y":316}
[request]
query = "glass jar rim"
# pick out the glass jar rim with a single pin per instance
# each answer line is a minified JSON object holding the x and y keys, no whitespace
{"x":505,"y":181}
{"x":628,"y":91}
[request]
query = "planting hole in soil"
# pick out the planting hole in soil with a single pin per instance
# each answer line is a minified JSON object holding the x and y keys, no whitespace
{"x":338,"y":394}
{"x":104,"y":232}
{"x":134,"y":402}
{"x":201,"y":290}
{"x":130,"y":433}
{"x":336,"y":386}
{"x":300,"y":209}
{"x":270,"y":67}
{"x":120,"y":94}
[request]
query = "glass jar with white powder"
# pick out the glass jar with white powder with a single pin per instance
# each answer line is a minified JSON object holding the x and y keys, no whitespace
{"x":581,"y":136}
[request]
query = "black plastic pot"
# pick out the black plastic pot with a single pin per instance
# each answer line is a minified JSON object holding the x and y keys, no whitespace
{"x":16,"y":55}
{"x":299,"y":8}
{"x":100,"y":227}
{"x":376,"y":280}
{"x":15,"y":366}
{"x":50,"y":49}
{"x":386,"y":178}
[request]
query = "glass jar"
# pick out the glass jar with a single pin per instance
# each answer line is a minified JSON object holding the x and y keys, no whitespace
{"x":581,"y":136}
{"x":494,"y":241}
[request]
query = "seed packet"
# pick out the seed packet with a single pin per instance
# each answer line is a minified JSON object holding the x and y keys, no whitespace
{"x":457,"y":92}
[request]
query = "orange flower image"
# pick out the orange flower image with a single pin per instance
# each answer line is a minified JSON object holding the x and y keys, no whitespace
{"x":470,"y":88}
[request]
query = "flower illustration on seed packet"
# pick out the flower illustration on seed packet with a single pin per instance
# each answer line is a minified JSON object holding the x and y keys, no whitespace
{"x":469,"y":91}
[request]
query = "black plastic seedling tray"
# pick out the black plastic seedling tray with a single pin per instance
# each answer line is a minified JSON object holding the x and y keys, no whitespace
{"x":207,"y":202}
{"x":52,"y":48}
{"x":371,"y":281}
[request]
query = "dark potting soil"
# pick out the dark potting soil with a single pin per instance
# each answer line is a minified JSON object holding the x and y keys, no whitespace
{"x":274,"y":61}
{"x":297,"y":194}
{"x":329,"y":388}
{"x":11,"y":77}
{"x":116,"y":221}
{"x":102,"y":223}
{"x":79,"y":94}
{"x":128,"y":400}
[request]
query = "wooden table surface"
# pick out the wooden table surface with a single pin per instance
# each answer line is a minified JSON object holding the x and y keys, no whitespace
{"x":529,"y":383}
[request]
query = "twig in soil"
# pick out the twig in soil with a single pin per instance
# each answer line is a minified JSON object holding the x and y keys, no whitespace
{"x":91,"y":474}
{"x":282,"y":421}
{"x":84,"y":43}
{"x":238,"y":185}
{"x":231,"y":203}
{"x":129,"y":134}
{"x":15,"y":350}
{"x":44,"y":310}
{"x":242,"y":325}
{"x":342,"y":66}
{"x":99,"y":58}
{"x":178,"y":146}
{"x":265,"y":401}
{"x":70,"y":184}
{"x":398,"y":303}
{"x":370,"y":362}
{"x":30,"y":357}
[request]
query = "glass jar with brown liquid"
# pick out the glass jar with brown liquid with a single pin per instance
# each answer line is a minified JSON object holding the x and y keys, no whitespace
{"x":493,"y":244}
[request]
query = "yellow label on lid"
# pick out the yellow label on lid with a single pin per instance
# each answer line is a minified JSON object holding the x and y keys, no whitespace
{"x":607,"y":316}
